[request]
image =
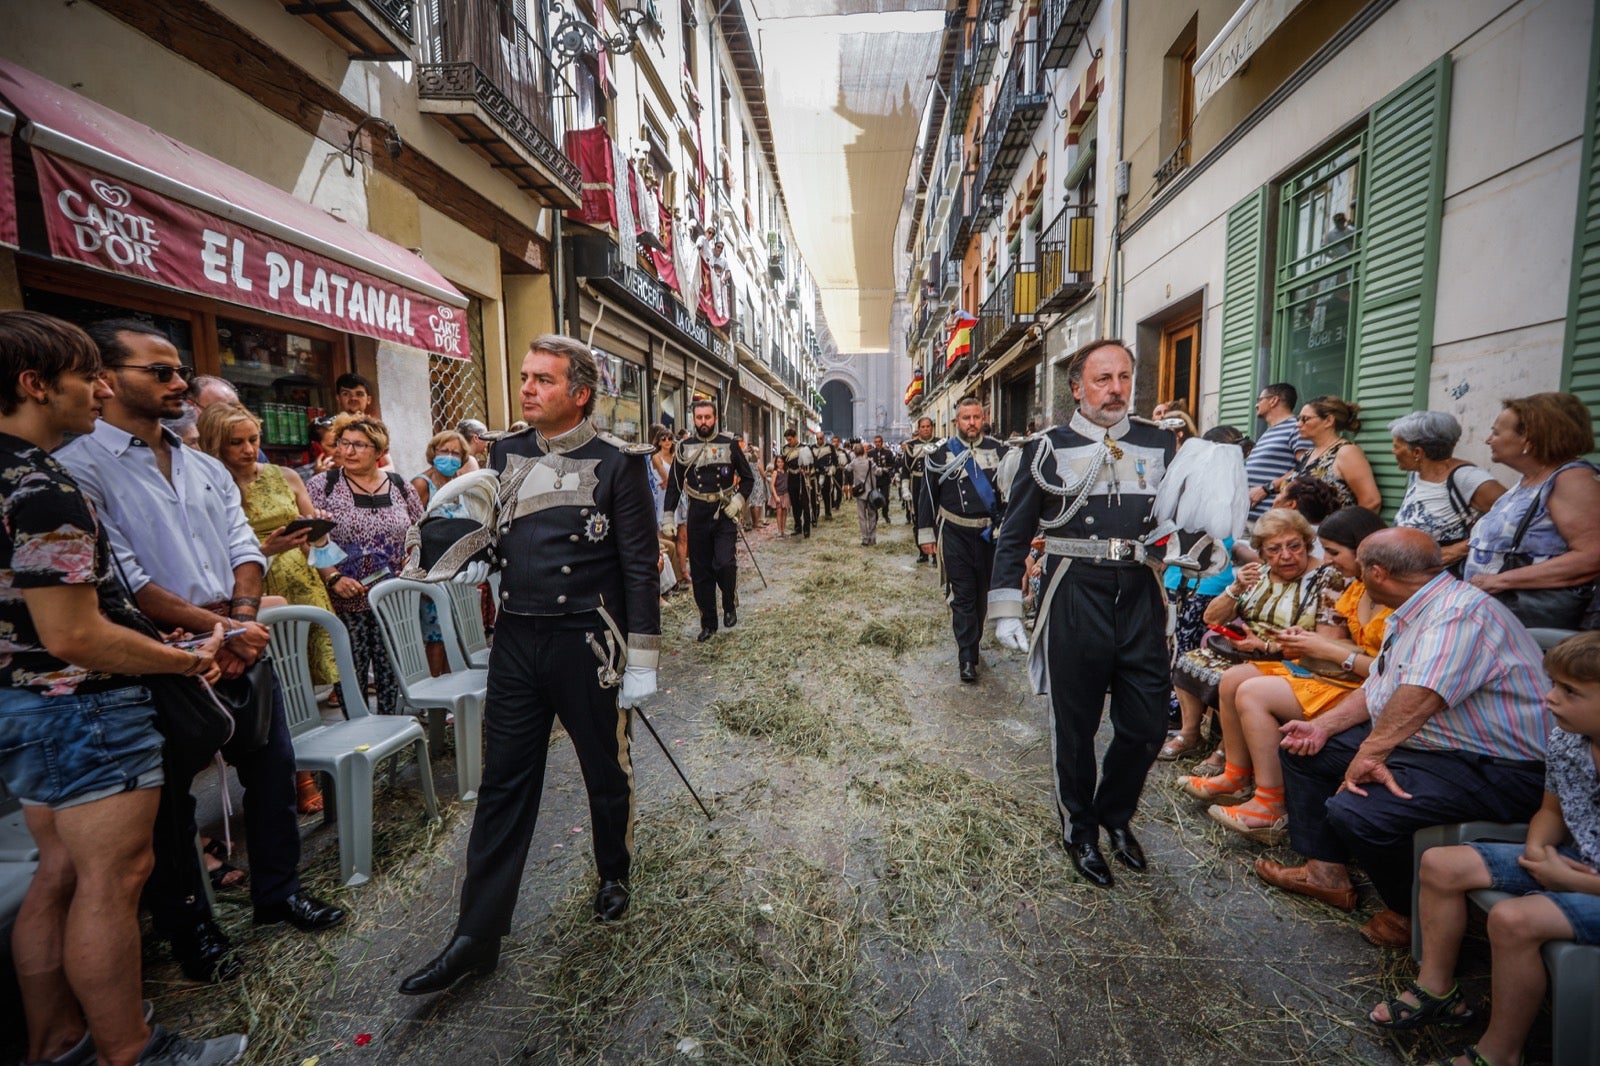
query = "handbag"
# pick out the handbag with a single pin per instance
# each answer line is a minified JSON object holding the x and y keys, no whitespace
{"x":1552,"y":608}
{"x":1223,"y":648}
{"x":248,"y":700}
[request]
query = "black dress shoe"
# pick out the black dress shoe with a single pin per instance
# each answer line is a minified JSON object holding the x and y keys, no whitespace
{"x":705,"y":634}
{"x":205,"y":954}
{"x":969,"y":672}
{"x":1088,"y":861}
{"x":305,"y":912}
{"x":1125,"y":849}
{"x":730,"y":618}
{"x":611,"y":902}
{"x":465,"y":956}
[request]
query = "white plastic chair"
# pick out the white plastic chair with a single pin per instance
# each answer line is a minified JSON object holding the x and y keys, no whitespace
{"x":397,"y":604}
{"x":467,"y":612}
{"x":347,"y":751}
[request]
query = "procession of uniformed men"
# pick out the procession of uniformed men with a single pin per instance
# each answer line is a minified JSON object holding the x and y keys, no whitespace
{"x":574,"y":531}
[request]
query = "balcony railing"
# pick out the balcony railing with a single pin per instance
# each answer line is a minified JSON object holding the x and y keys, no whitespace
{"x":481,"y":74}
{"x":964,"y":213}
{"x":1066,"y":258}
{"x":981,"y":37}
{"x":1062,"y":27}
{"x":365,"y":29}
{"x":1174,"y":164}
{"x":1017,"y":111}
{"x":950,"y":280}
{"x":775,"y":269}
{"x":1007,"y":312}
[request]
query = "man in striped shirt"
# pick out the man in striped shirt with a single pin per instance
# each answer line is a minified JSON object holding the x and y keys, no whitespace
{"x":1450,"y":726}
{"x":1273,"y":455}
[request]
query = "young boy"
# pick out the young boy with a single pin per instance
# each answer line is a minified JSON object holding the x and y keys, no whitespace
{"x":1553,"y":876}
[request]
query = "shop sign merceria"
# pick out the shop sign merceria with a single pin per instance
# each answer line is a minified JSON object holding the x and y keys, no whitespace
{"x":133,"y":231}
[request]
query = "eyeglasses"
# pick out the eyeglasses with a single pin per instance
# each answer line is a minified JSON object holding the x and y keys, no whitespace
{"x":354,"y":445}
{"x":1275,"y":550}
{"x":163,"y":371}
{"x":1307,"y":418}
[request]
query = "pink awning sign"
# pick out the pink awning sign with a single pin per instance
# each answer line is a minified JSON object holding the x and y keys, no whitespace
{"x":122,"y":197}
{"x":8,"y":185}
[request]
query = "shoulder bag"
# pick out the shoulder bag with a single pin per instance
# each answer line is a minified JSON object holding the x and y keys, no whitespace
{"x":1551,"y":608}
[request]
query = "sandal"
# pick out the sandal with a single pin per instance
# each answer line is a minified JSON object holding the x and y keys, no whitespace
{"x":1211,"y":765}
{"x":1176,"y":745}
{"x":1429,"y":1010}
{"x":224,"y":875}
{"x":308,"y":797}
{"x":1274,"y":832}
{"x":1217,"y":788}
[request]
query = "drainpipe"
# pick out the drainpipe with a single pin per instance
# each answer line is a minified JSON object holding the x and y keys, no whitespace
{"x":1114,"y":272}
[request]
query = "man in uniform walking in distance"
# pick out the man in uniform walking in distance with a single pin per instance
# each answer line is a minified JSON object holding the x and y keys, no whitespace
{"x":958,"y":511}
{"x":580,"y":611}
{"x":843,"y":454}
{"x":883,"y":467}
{"x":711,"y":469}
{"x":1090,"y":487}
{"x":826,"y":462}
{"x":916,"y":450}
{"x":797,"y":460}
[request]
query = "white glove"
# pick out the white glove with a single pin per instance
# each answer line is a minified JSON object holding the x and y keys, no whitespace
{"x":472,"y":574}
{"x":669,"y":527}
{"x":733,"y":506}
{"x":637,"y":683}
{"x":1009,"y":632}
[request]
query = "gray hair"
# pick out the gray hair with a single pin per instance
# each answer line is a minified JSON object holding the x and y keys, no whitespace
{"x":582,"y":371}
{"x":1081,"y":356}
{"x":1402,"y":556}
{"x":1435,"y":432}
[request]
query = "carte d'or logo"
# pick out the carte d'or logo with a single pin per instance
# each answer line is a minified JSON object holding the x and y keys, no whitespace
{"x":446,"y":330}
{"x":108,"y":230}
{"x":115,"y":195}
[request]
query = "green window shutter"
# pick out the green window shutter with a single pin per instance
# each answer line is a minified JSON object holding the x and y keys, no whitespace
{"x":1401,"y":205}
{"x":1580,"y":372}
{"x":1243,"y":280}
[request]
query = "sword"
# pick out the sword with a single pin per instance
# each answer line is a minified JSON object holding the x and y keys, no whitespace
{"x":659,"y":743}
{"x":740,"y":527}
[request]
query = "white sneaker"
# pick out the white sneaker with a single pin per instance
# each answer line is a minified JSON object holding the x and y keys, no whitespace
{"x":170,"y":1049}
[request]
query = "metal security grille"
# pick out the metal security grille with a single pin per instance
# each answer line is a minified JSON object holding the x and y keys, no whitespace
{"x":456,"y":386}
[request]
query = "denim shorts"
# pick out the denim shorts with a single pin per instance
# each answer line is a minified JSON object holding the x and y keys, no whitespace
{"x":60,"y":751}
{"x":1581,"y":909}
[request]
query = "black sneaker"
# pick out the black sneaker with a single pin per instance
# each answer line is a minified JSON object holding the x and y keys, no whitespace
{"x":170,"y":1049}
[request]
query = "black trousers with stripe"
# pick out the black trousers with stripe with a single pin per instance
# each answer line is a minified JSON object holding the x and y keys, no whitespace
{"x":541,"y":669}
{"x":1107,"y":635}
{"x":968,"y":564}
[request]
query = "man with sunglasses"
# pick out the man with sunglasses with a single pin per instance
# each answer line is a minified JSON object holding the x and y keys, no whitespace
{"x":182,"y":542}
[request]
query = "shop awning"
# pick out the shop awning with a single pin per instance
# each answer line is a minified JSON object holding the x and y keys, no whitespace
{"x":8,"y":185}
{"x":1225,"y":56}
{"x":122,"y":197}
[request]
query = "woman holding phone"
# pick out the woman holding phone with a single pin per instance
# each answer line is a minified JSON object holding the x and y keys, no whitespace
{"x":273,"y":497}
{"x":372,"y":509}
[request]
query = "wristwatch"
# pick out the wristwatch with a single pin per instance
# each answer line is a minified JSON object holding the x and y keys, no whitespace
{"x":1349,"y":663}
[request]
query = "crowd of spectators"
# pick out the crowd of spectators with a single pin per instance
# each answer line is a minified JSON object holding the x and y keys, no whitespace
{"x":1369,"y":681}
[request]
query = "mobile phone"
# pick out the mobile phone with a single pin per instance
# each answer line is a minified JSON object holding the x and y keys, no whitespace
{"x":316,"y":528}
{"x":372,"y":579}
{"x":195,"y":642}
{"x":1229,"y":632}
{"x":1296,"y":669}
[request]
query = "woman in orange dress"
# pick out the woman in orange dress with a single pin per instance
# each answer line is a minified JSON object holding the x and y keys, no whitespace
{"x":1320,"y":669}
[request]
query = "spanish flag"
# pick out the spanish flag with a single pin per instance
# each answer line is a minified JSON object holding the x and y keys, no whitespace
{"x":960,"y":341}
{"x":914,"y":389}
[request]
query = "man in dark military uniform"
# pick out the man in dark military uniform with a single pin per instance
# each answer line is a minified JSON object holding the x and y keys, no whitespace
{"x":1089,"y":486}
{"x":883,"y":468}
{"x":957,"y":513}
{"x":711,"y":469}
{"x":797,"y":461}
{"x":825,"y":468}
{"x":916,"y":451}
{"x":842,"y":455}
{"x":579,"y":615}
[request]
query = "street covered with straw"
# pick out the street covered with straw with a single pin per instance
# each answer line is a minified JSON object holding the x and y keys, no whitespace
{"x":883,"y":882}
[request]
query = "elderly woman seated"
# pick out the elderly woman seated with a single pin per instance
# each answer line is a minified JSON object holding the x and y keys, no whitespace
{"x":1247,"y":616}
{"x":1444,"y":495}
{"x":1255,"y":698}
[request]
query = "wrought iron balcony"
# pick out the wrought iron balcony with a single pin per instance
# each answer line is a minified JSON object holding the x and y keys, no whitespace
{"x":1066,"y":258}
{"x":365,"y":29}
{"x":964,"y":213}
{"x":950,"y":280}
{"x":1062,"y":27}
{"x":980,"y":40}
{"x":488,"y":81}
{"x":775,"y":269}
{"x":1174,"y":164}
{"x":1017,"y":111}
{"x":1007,"y":312}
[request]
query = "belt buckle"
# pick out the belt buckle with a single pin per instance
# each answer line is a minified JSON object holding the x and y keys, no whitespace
{"x":1121,"y":551}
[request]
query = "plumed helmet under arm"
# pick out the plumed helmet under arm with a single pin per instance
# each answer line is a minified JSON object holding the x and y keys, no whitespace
{"x":458,"y":528}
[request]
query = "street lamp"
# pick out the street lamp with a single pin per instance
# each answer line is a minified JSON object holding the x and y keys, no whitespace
{"x":574,"y":37}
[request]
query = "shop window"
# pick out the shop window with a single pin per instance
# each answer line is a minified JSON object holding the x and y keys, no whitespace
{"x":285,"y":378}
{"x":86,"y":312}
{"x":456,"y":386}
{"x":1319,"y":244}
{"x":619,"y":402}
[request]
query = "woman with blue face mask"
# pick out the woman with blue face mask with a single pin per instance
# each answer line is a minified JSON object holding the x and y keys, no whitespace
{"x":446,"y":454}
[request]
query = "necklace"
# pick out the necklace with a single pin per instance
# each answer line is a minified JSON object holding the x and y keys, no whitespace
{"x":365,"y":491}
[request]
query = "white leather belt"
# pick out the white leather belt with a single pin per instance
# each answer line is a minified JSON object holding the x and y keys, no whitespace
{"x":1114,"y":549}
{"x":707,"y":497}
{"x":982,"y":522}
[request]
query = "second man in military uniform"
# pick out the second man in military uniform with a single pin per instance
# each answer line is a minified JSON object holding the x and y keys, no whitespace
{"x":711,"y":469}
